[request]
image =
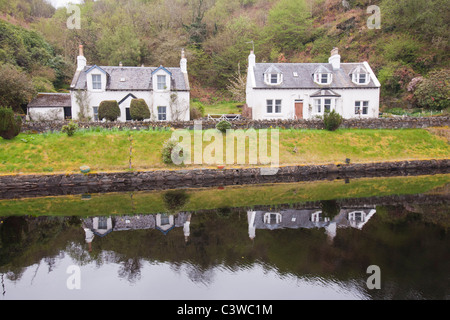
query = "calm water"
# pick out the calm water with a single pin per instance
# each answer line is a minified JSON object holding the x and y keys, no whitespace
{"x":273,"y":247}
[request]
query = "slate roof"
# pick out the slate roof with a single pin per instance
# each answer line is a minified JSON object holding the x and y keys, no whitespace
{"x":51,"y":100}
{"x":136,"y":78}
{"x":305,"y":71}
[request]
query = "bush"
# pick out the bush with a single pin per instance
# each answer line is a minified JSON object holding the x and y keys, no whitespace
{"x":433,"y":92}
{"x":175,"y":200}
{"x":332,"y":120}
{"x":10,"y":124}
{"x":70,"y":128}
{"x":223,"y":125}
{"x":139,"y":110}
{"x":109,"y":110}
{"x":194,"y":113}
{"x":168,"y":146}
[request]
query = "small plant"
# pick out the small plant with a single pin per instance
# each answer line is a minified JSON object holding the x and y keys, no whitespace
{"x":109,"y":110}
{"x":175,"y":200}
{"x":168,"y":147}
{"x":10,"y":124}
{"x":332,"y":120}
{"x":223,"y":125}
{"x":70,"y":128}
{"x":139,"y":110}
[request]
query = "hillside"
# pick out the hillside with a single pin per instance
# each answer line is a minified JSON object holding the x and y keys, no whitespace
{"x":412,"y":43}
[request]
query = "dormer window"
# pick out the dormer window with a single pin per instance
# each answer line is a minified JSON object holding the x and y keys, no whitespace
{"x":323,"y":76}
{"x":273,"y":76}
{"x":360,"y":76}
{"x":96,"y":82}
{"x":162,"y":82}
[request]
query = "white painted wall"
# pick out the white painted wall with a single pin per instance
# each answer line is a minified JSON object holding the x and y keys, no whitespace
{"x":45,"y":114}
{"x":344,"y":105}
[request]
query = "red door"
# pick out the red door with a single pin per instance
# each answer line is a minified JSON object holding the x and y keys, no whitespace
{"x":299,"y":110}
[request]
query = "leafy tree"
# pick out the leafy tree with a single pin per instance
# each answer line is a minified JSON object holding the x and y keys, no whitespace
{"x":109,"y":110}
{"x":16,"y":89}
{"x":10,"y":124}
{"x":289,"y":25}
{"x":332,"y":120}
{"x":139,"y":110}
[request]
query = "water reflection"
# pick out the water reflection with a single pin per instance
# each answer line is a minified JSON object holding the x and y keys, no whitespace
{"x":318,"y":250}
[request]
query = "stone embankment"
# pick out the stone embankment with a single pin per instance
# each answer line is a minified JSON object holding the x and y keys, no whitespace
{"x":20,"y":186}
{"x":369,"y":123}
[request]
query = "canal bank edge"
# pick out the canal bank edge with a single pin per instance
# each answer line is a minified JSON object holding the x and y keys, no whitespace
{"x":17,"y":186}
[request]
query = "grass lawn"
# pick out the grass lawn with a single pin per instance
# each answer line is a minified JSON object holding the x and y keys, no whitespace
{"x":110,"y":150}
{"x":222,"y":107}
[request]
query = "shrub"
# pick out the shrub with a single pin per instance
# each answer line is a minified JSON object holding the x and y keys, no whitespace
{"x":109,"y":110}
{"x":139,"y":110}
{"x":175,"y":200}
{"x":70,"y":128}
{"x":168,"y":147}
{"x":195,"y":113}
{"x":223,"y":125}
{"x":332,"y":120}
{"x":433,"y":92}
{"x":10,"y":124}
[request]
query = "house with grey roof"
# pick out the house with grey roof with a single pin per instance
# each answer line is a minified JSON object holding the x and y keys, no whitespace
{"x":165,"y":89}
{"x":50,"y":107}
{"x":308,"y":90}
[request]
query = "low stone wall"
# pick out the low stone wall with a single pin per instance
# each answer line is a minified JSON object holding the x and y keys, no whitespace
{"x":21,"y":186}
{"x":375,"y":123}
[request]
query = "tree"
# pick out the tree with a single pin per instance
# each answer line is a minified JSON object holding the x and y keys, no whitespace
{"x":139,"y":110}
{"x":16,"y":89}
{"x":10,"y":124}
{"x":109,"y":110}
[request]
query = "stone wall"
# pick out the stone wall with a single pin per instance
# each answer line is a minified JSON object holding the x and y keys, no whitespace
{"x":371,"y":123}
{"x":20,"y":186}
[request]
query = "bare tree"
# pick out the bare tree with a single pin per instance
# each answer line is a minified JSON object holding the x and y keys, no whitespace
{"x":238,"y":85}
{"x":177,"y":108}
{"x":82,"y":98}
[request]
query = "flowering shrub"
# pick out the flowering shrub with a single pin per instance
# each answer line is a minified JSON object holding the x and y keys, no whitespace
{"x":433,"y":92}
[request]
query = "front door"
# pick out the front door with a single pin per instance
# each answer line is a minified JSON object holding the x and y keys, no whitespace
{"x":127,"y":114}
{"x":299,"y":109}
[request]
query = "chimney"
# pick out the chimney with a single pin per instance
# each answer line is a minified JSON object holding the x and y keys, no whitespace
{"x":120,"y":64}
{"x":251,"y":60}
{"x":81,"y":60}
{"x":335,"y":59}
{"x":183,"y":62}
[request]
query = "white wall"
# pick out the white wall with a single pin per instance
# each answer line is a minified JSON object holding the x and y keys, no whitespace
{"x":45,"y":114}
{"x":344,"y":105}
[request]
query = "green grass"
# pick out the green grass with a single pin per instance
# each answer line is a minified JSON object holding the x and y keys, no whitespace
{"x":231,"y":196}
{"x":221,"y":107}
{"x":109,"y":150}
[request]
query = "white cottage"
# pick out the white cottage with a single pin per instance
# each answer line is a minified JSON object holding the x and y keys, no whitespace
{"x":307,"y":90}
{"x":165,"y":90}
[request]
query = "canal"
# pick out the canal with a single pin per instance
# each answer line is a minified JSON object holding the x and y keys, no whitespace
{"x":361,"y":239}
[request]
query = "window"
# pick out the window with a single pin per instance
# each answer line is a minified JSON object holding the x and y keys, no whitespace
{"x":96,"y":81}
{"x":269,"y":106}
{"x":277,"y":106}
{"x":273,"y":103}
{"x":324,"y":78}
{"x":362,"y":78}
{"x":162,"y":83}
{"x":162,"y":114}
{"x":274,"y":78}
{"x":317,"y":105}
{"x":362,"y":107}
{"x":327,"y":105}
{"x":95,"y":109}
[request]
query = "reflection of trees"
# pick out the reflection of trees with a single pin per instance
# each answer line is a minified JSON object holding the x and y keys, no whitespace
{"x":130,"y":269}
{"x":175,"y":200}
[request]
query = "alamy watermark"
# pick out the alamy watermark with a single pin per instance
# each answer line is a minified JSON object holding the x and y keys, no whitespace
{"x":374,"y":281}
{"x":374,"y":21}
{"x":74,"y":280}
{"x":74,"y":21}
{"x":234,"y":147}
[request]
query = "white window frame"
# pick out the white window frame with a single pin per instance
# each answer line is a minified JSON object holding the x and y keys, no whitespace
{"x":319,"y":77}
{"x":97,"y":82}
{"x":361,"y":106}
{"x":160,"y":114}
{"x":275,"y":105}
{"x":269,"y":77}
{"x":161,"y":82}
{"x":95,"y":113}
{"x":356,"y":78}
{"x":320,"y":105}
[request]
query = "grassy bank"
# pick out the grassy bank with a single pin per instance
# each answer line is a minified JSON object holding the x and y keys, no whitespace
{"x":147,"y":202}
{"x":107,"y":150}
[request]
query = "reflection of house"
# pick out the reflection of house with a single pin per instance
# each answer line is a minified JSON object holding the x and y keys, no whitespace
{"x":101,"y":226}
{"x":307,"y":218}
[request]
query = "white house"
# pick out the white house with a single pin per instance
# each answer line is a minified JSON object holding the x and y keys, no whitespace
{"x":165,"y":90}
{"x":307,"y":90}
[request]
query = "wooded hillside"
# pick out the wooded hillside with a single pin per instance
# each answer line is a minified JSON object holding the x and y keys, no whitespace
{"x":413,"y":40}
